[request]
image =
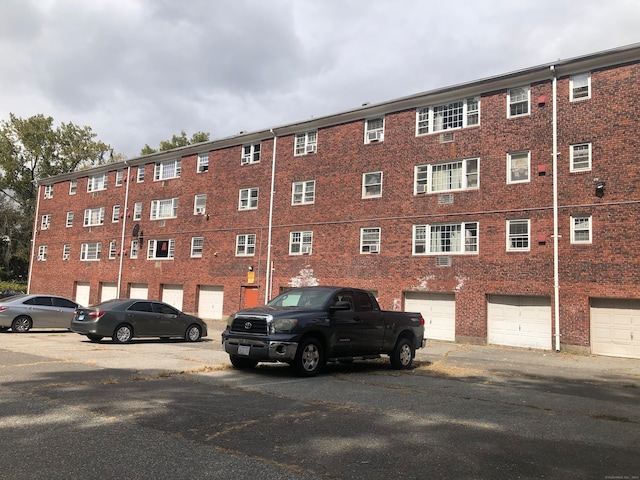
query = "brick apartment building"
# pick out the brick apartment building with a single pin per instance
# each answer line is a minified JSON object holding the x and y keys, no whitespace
{"x":503,"y":209}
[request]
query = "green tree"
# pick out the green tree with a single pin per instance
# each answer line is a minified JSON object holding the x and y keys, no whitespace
{"x":176,"y":142}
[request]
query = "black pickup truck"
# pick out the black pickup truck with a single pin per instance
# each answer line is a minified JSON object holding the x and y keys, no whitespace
{"x":310,"y":326}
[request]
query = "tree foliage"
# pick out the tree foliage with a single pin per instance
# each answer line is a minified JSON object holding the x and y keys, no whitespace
{"x":176,"y":142}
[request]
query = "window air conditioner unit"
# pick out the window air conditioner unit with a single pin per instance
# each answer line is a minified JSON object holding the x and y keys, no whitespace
{"x":203,"y":168}
{"x":310,"y":149}
{"x":421,"y":188}
{"x":65,"y":257}
{"x":199,"y":210}
{"x":375,"y":248}
{"x":40,"y":258}
{"x":306,"y":249}
{"x":374,"y":136}
{"x":245,"y":160}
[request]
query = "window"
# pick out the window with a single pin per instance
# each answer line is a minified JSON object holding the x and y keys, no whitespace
{"x":167,"y":208}
{"x":251,"y":153}
{"x":580,"y":87}
{"x":66,"y":251}
{"x":137,"y":210}
{"x":518,"y":102}
{"x":113,"y":249}
{"x":456,"y":238}
{"x":73,"y":187}
{"x":140,"y":177}
{"x":454,"y":115}
{"x":200,"y":204}
{"x":161,"y":249}
{"x":46,"y":222}
{"x":69,"y":219}
{"x":93,"y":216}
{"x":300,"y":243}
{"x":374,"y":130}
{"x":168,"y":169}
{"x":90,"y":251}
{"x":196,"y":247}
{"x":135,"y":247}
{"x":517,"y":235}
{"x":446,"y":177}
{"x":97,"y":182}
{"x":303,"y":192}
{"x":581,"y":229}
{"x":581,"y":157}
{"x":119,"y":177}
{"x":306,"y":143}
{"x":518,"y":167}
{"x":203,"y":162}
{"x":42,"y":253}
{"x":115,"y":214}
{"x":48,"y":191}
{"x":248,"y":199}
{"x":369,"y":240}
{"x":245,"y":245}
{"x":372,"y":184}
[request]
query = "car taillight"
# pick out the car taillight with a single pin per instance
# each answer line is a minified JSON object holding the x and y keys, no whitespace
{"x":421,"y":320}
{"x":96,"y":314}
{"x":3,"y":308}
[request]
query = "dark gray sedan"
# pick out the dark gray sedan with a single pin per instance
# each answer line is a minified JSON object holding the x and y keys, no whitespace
{"x":23,"y":312}
{"x":124,"y":319}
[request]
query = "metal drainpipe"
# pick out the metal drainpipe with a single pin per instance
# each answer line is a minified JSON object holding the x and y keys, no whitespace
{"x":273,"y":178}
{"x":124,"y":225}
{"x":556,"y":274}
{"x":33,"y":237}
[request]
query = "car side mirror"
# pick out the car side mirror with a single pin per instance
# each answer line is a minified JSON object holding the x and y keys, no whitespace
{"x":343,"y":305}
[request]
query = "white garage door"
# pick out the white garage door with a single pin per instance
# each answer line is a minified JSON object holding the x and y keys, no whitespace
{"x":83,"y":289}
{"x":519,"y":321}
{"x":438,"y":310}
{"x":109,"y":291}
{"x":210,"y":302}
{"x":172,"y":294}
{"x":615,"y":327}
{"x":139,"y":290}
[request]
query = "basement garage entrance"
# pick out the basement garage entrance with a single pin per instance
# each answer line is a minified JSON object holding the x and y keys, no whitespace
{"x":108,"y":291}
{"x":83,"y":289}
{"x":615,"y":327}
{"x":139,"y":290}
{"x":172,"y":294}
{"x":438,"y":310}
{"x":519,"y":321}
{"x":210,"y":302}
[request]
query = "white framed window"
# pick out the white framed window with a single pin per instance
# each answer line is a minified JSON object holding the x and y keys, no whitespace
{"x":168,"y":169}
{"x":42,"y":253}
{"x":200,"y":204}
{"x":203,"y":163}
{"x":245,"y":245}
{"x":113,"y":249}
{"x":93,"y":217}
{"x":518,"y":167}
{"x":518,"y":101}
{"x":97,"y":182}
{"x":251,"y":154}
{"x":581,"y":229}
{"x":581,"y":157}
{"x":370,"y":240}
{"x":306,"y":143}
{"x":161,"y":249}
{"x":48,"y":191}
{"x":446,"y":177}
{"x":452,"y":238}
{"x":197,"y":244}
{"x":161,"y":209}
{"x":66,"y":251}
{"x":300,"y":243}
{"x":119,"y":177}
{"x":140,"y":176}
{"x":248,"y":199}
{"x":580,"y":87}
{"x":371,"y":184}
{"x":374,"y":130}
{"x":73,"y":187}
{"x":449,"y":116}
{"x":518,"y":235}
{"x":115,"y":214}
{"x":303,"y":193}
{"x":137,"y":211}
{"x":45,"y":222}
{"x":69,"y":219}
{"x":135,"y":247}
{"x":90,"y":251}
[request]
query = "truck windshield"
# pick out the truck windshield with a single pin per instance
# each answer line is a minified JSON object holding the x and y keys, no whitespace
{"x":308,"y":299}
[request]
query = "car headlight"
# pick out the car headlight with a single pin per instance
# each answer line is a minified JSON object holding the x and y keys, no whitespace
{"x":230,"y":320}
{"x":284,"y":324}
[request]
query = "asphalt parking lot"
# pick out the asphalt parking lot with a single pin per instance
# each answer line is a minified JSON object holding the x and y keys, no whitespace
{"x":74,"y":409}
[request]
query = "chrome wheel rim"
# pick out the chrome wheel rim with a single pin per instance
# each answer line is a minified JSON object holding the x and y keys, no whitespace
{"x":310,"y":358}
{"x":123,"y":334}
{"x":405,"y":355}
{"x":22,"y":324}
{"x":194,"y":334}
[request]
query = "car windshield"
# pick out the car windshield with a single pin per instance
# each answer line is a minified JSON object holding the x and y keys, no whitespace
{"x":310,"y":298}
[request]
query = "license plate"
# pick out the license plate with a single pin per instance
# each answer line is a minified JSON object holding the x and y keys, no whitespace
{"x":244,"y":349}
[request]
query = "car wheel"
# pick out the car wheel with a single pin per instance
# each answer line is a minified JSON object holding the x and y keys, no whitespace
{"x":94,"y":338}
{"x":402,"y":355}
{"x":309,"y":358}
{"x":242,"y":363}
{"x":122,"y":334}
{"x":193,"y":333}
{"x":21,"y":324}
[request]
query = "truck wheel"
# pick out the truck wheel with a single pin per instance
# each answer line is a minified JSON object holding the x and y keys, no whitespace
{"x":402,"y":355}
{"x":309,"y":358}
{"x":242,"y":363}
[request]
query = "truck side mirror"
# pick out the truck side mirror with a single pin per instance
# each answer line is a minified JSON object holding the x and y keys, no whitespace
{"x":343,"y":305}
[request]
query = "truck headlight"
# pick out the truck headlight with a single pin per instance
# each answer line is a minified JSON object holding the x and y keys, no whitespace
{"x":230,"y":319}
{"x":284,"y":324}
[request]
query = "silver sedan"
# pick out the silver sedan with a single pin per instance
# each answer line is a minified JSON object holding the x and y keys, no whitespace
{"x":21,"y":313}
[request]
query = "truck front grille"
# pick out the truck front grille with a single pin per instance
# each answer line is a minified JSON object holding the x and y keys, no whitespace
{"x":257,"y":325}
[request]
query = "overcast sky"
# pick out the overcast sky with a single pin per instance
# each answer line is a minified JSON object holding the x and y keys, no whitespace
{"x":139,"y":71}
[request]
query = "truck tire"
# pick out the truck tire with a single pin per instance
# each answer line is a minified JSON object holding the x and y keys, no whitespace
{"x":309,"y":358}
{"x":402,"y":355}
{"x":241,"y":363}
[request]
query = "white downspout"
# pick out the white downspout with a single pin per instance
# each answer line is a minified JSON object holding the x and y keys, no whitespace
{"x":124,"y":225}
{"x":273,"y":179}
{"x":556,"y":274}
{"x":33,"y":238}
